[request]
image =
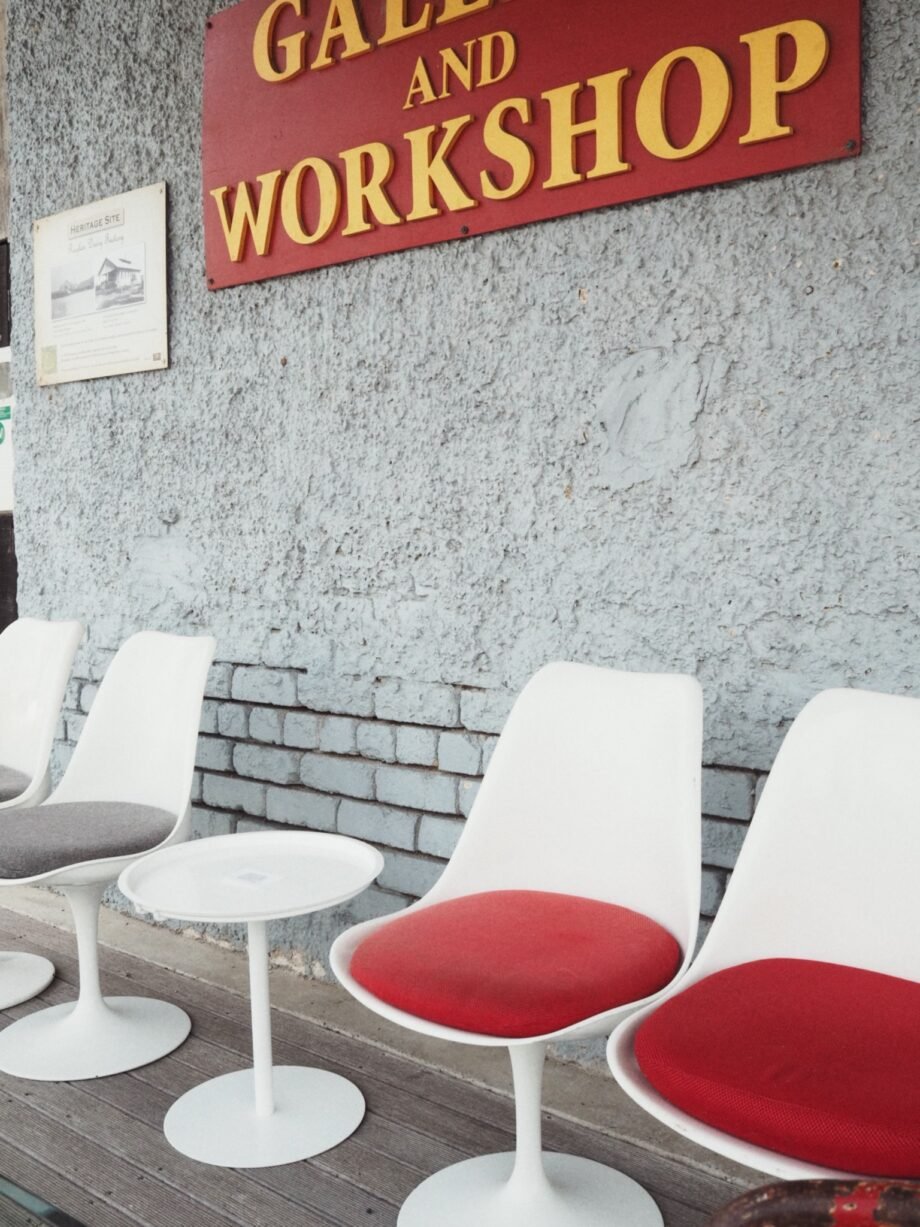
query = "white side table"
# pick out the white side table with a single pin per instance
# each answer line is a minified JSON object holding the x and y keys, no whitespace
{"x":266,"y":1115}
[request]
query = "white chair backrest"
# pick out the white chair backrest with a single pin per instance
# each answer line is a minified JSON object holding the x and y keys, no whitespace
{"x":138,"y":743}
{"x":35,"y":662}
{"x":593,"y":790}
{"x":829,"y":868}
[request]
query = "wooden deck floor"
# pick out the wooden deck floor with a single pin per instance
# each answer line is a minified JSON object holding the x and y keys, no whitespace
{"x":97,"y":1150}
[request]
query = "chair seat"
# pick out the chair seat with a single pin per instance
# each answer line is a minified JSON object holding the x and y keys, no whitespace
{"x":51,"y":837}
{"x":12,"y":783}
{"x":817,"y":1061}
{"x":515,"y":964}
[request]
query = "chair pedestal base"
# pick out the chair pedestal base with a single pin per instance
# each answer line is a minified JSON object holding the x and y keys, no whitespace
{"x":217,"y":1122}
{"x":581,"y":1194}
{"x":22,"y":977}
{"x":65,"y":1044}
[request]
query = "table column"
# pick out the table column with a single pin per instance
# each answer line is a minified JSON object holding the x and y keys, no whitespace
{"x":260,"y":1005}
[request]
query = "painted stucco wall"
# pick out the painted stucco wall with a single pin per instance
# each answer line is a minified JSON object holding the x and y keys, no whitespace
{"x":4,"y":131}
{"x":679,"y":435}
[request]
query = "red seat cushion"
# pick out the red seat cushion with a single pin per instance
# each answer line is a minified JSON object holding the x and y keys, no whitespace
{"x":515,"y":963}
{"x":814,"y":1060}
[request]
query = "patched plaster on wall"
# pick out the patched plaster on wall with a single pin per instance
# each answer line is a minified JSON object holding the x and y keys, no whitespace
{"x":405,"y":467}
{"x":650,"y":411}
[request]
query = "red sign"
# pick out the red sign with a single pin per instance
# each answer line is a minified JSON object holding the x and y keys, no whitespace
{"x":336,"y":129}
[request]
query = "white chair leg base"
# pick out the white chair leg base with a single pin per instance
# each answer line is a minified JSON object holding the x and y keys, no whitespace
{"x":22,"y":977}
{"x":217,"y":1122}
{"x":581,"y":1194}
{"x":63,"y":1044}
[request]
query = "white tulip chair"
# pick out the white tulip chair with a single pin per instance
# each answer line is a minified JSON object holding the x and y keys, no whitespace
{"x":793,"y":1045}
{"x":125,"y":792}
{"x":36,"y":658}
{"x":582,"y":849}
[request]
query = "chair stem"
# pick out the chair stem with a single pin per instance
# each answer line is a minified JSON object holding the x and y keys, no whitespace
{"x":528,"y":1175}
{"x":85,"y":902}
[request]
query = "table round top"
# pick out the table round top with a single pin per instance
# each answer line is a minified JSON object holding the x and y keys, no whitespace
{"x":263,"y":875}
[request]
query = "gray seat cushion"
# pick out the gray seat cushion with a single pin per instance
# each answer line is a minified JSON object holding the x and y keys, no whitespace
{"x":51,"y":837}
{"x":12,"y":783}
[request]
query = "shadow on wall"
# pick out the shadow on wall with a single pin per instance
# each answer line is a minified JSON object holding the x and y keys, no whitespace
{"x":8,"y":571}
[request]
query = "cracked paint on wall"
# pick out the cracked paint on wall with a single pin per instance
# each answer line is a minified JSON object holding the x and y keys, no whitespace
{"x":675,"y":435}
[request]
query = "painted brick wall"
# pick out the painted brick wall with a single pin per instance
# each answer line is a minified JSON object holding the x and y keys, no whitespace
{"x":395,"y":764}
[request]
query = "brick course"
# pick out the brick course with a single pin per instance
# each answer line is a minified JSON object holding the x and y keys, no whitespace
{"x":208,"y":716}
{"x":343,"y":776}
{"x":416,"y":747}
{"x":485,"y":711}
{"x":337,"y":735}
{"x":417,"y":788}
{"x":417,"y":703}
{"x":300,"y":807}
{"x":459,"y":753}
{"x":301,"y":729}
{"x":267,"y":724}
{"x":396,"y":763}
{"x":266,"y":763}
{"x":274,"y":686}
{"x":378,"y":824}
{"x":344,"y":696}
{"x":233,"y":721}
{"x":377,"y":741}
{"x":231,"y":793}
{"x":214,"y":754}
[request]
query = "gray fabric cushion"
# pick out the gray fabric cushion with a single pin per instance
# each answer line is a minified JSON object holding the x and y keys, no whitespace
{"x":53,"y":836}
{"x":12,"y":783}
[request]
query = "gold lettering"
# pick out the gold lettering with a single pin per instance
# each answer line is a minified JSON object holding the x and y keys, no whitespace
{"x":422,"y":85}
{"x":430,"y":171}
{"x":812,"y":47}
{"x":607,"y":125}
{"x":488,"y":74}
{"x":462,"y":69}
{"x":342,"y":21}
{"x":368,"y":169}
{"x":396,"y":28}
{"x":715,"y":103}
{"x":259,"y":220}
{"x":330,"y":201}
{"x":265,"y":50}
{"x":510,"y":148}
{"x":455,"y":9}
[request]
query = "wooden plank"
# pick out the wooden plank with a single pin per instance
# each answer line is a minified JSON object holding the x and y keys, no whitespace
{"x":386,"y":1094}
{"x":357,"y":1164}
{"x":419,"y":1119}
{"x":141,"y":1196}
{"x":97,"y":1109}
{"x":392,"y":1141}
{"x":345,"y":1052}
{"x":452,"y":1099}
{"x":315,"y":1042}
{"x":368,"y":1159}
{"x":71,"y":1197}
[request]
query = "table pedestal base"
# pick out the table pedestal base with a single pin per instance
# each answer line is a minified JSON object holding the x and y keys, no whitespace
{"x":217,"y":1122}
{"x":69,"y":1042}
{"x":22,"y":977}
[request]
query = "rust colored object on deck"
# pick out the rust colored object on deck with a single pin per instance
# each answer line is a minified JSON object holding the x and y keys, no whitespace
{"x":826,"y":1203}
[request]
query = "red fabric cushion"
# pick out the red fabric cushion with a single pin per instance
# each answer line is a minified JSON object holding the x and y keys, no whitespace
{"x":814,"y":1060}
{"x":515,"y":963}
